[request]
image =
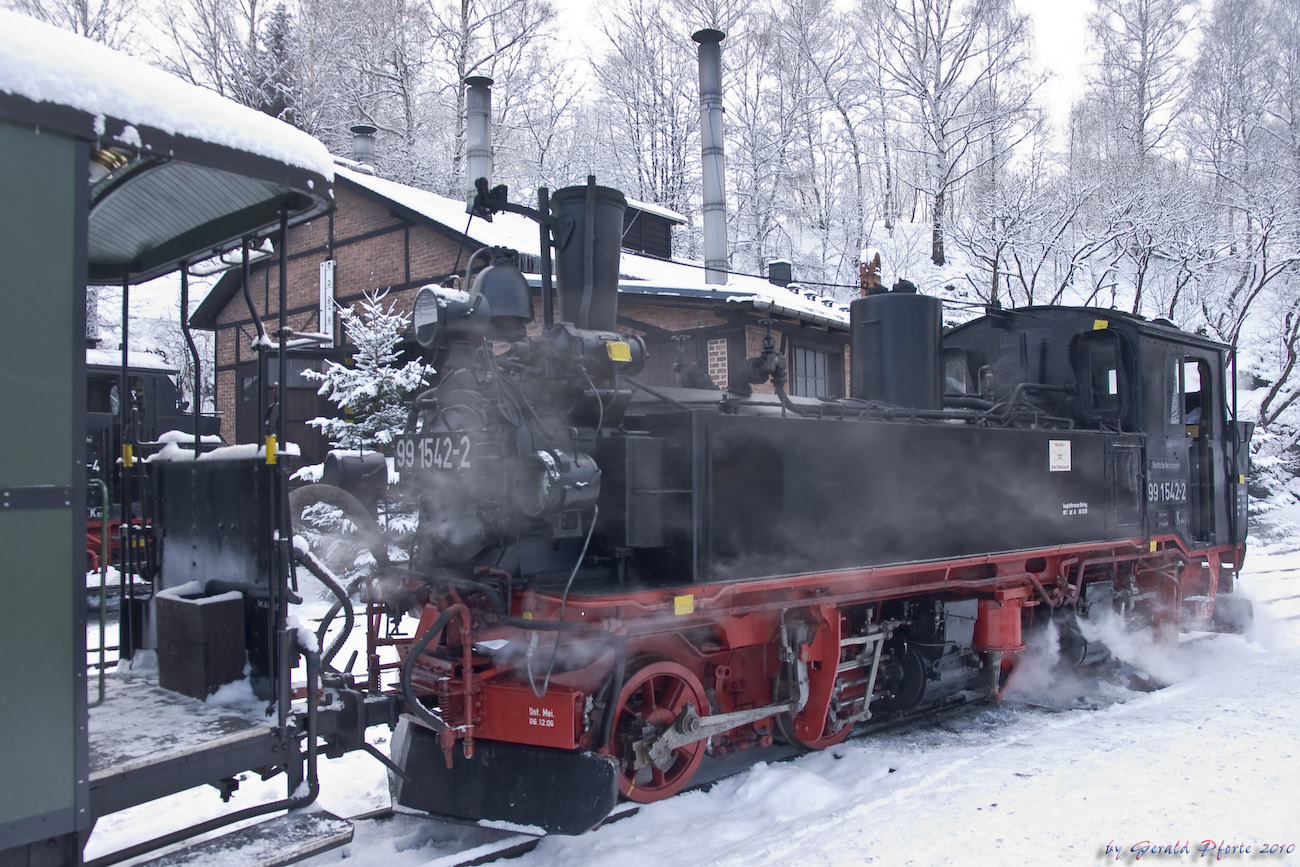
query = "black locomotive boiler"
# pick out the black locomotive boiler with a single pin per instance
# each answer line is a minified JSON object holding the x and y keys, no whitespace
{"x":614,"y":580}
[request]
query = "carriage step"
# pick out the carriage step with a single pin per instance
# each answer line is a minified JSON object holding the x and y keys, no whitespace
{"x":283,"y":840}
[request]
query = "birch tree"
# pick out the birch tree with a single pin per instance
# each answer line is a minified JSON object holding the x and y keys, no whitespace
{"x":648,"y":104}
{"x":947,"y":52}
{"x":111,"y":22}
{"x":1141,"y":71}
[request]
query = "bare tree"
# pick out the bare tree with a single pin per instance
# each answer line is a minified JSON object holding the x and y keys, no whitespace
{"x":758,"y":144}
{"x":948,"y":53}
{"x":484,"y":37}
{"x":214,"y":44}
{"x":111,"y":22}
{"x":1141,"y":71}
{"x":827,"y":45}
{"x":648,"y":100}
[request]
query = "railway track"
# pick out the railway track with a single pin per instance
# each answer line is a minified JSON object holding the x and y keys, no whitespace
{"x":490,"y":844}
{"x":477,"y":844}
{"x":512,"y":843}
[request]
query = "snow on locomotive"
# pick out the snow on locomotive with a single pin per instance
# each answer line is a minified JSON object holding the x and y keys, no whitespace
{"x":614,"y":580}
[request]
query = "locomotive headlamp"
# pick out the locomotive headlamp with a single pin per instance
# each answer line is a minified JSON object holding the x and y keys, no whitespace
{"x":442,"y":316}
{"x":425,"y":316}
{"x":551,"y":483}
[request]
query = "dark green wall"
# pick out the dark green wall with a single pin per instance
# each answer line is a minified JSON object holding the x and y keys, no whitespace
{"x":42,"y":626}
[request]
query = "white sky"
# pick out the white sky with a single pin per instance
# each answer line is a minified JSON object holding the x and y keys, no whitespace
{"x":1060,"y":47}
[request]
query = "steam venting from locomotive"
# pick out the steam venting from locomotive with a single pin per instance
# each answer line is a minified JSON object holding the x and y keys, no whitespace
{"x":555,"y":391}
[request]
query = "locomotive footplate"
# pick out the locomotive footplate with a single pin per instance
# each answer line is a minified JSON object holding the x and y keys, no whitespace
{"x":558,"y":791}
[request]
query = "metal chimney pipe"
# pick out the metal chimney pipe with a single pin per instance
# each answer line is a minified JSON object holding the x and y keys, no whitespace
{"x":363,"y":143}
{"x":478,"y":131}
{"x":715,"y":200}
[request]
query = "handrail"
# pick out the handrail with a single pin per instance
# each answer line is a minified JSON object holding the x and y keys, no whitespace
{"x":103,"y":586}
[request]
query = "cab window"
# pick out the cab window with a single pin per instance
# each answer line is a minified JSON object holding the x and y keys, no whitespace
{"x":1100,"y":376}
{"x":1197,"y":396}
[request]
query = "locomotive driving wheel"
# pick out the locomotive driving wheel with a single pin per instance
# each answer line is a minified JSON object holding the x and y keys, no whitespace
{"x":654,"y":695}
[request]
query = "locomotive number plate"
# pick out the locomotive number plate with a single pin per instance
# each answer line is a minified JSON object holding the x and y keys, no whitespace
{"x":448,"y":451}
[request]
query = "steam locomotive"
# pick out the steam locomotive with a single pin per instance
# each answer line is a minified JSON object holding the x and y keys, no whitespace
{"x":613,"y":581}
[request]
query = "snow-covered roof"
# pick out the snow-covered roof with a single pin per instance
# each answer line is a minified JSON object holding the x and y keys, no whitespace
{"x":639,"y":274}
{"x":505,"y":230}
{"x":45,"y":64}
{"x":136,"y":360}
{"x":657,"y":210}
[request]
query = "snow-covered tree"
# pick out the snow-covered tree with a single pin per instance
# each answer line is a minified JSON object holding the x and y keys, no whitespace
{"x":1141,"y":75}
{"x":277,"y":67}
{"x":648,"y":97}
{"x":372,"y":392}
{"x":111,"y":22}
{"x":962,"y":65}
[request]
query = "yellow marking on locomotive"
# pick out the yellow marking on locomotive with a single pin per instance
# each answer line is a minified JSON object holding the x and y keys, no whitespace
{"x":683,"y":605}
{"x":1100,"y":324}
{"x":1153,"y":546}
{"x":271,"y":456}
{"x":128,"y":455}
{"x":618,"y":351}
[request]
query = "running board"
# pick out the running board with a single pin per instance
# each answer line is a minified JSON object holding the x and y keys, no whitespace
{"x":286,"y":839}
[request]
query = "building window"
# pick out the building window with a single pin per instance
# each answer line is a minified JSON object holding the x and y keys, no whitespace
{"x":811,"y":373}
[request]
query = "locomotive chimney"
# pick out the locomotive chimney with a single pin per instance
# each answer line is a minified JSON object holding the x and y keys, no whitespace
{"x":715,"y":202}
{"x":478,"y":132}
{"x":363,"y":143}
{"x":587,"y":258}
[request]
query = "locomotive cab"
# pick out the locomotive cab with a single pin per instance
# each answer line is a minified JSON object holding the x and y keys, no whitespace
{"x":1125,"y":375}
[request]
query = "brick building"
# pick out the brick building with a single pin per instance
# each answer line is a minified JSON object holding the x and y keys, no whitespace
{"x":384,"y":235}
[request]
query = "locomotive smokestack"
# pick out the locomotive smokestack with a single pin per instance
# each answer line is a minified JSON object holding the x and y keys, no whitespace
{"x":587,"y":258}
{"x":715,"y":201}
{"x":363,"y":143}
{"x":478,"y":130}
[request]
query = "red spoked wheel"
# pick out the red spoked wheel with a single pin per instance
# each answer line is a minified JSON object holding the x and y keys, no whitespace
{"x":653,"y":697}
{"x":812,"y":734}
{"x":790,"y":731}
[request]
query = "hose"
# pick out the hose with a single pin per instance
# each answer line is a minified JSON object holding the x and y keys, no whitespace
{"x":427,"y":399}
{"x":421,"y":644}
{"x":615,"y":692}
{"x":548,"y":625}
{"x":315,"y":567}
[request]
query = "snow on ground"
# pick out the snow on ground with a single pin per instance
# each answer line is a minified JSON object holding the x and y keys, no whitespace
{"x":1211,"y":757}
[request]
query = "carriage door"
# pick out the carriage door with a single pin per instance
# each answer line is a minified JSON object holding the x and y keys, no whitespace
{"x":1201,"y":414}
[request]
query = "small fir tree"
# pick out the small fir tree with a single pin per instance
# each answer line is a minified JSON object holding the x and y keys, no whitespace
{"x":374,"y":390}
